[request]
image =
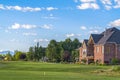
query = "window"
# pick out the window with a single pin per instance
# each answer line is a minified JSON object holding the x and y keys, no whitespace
{"x":97,"y":49}
{"x":119,"y":48}
{"x":84,"y":51}
{"x":108,"y":50}
{"x":103,"y":49}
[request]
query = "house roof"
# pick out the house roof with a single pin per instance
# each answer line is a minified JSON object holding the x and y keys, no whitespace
{"x":96,"y":37}
{"x":85,"y":41}
{"x":110,"y":35}
{"x":115,"y":37}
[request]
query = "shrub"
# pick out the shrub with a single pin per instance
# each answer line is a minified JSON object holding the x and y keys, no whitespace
{"x":115,"y":61}
{"x":83,"y":60}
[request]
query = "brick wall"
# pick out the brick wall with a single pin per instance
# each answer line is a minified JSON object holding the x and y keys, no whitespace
{"x":98,"y":54}
{"x":110,"y":51}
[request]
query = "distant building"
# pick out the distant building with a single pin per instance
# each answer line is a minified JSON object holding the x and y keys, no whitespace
{"x":101,"y":48}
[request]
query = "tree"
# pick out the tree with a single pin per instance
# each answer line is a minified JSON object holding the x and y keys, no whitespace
{"x":75,"y":55}
{"x":53,"y":51}
{"x":8,"y":57}
{"x":30,"y":54}
{"x":19,"y":55}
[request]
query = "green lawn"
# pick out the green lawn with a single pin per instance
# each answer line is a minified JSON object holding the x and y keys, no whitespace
{"x":50,"y":71}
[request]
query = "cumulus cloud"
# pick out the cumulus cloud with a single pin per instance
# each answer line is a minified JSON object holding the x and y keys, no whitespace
{"x":29,"y":34}
{"x":88,"y":1}
{"x":107,"y":4}
{"x":93,"y":31}
{"x":16,"y":26}
{"x":88,"y":6}
{"x":115,"y":23}
{"x":1,"y":6}
{"x":92,"y":4}
{"x":117,"y":4}
{"x":19,"y":8}
{"x":23,"y":26}
{"x":70,"y":35}
{"x":83,"y":28}
{"x":41,"y":40}
{"x":51,"y":8}
{"x":46,"y":26}
{"x":51,"y":16}
{"x":25,"y":9}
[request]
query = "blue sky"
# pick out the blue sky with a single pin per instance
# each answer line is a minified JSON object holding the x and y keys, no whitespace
{"x":25,"y":22}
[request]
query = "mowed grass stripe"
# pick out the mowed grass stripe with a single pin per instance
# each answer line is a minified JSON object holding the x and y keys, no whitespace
{"x":52,"y":71}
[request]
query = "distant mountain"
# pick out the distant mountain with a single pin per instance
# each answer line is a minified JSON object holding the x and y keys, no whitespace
{"x":5,"y":52}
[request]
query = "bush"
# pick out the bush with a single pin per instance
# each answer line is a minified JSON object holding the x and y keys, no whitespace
{"x":115,"y":61}
{"x":83,"y":60}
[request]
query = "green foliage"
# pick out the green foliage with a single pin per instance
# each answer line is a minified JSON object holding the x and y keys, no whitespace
{"x":36,"y":53}
{"x":75,"y":55}
{"x":53,"y":51}
{"x":8,"y":57}
{"x":115,"y":61}
{"x":56,"y":51}
{"x":19,"y":55}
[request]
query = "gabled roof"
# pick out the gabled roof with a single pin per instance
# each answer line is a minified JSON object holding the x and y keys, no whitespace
{"x":115,"y":37}
{"x":110,"y":35}
{"x":96,"y":37}
{"x":86,"y":41}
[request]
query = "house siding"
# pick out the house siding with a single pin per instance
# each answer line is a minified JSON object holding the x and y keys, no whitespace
{"x":82,"y":55}
{"x":102,"y":47}
{"x":98,"y":55}
{"x":118,"y":52}
{"x":110,"y":52}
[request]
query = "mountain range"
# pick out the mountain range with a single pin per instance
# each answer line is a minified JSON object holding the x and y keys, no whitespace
{"x":5,"y":52}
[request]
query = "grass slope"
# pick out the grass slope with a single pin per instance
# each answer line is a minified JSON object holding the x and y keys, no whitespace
{"x":51,"y":71}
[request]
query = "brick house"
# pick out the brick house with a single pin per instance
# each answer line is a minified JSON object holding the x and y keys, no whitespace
{"x":101,"y":48}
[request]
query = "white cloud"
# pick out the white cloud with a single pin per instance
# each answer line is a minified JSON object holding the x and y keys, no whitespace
{"x":83,"y":28}
{"x":108,"y":2}
{"x":29,"y":34}
{"x":1,"y":7}
{"x":46,"y":26}
{"x":15,"y":26}
{"x":94,"y":31}
{"x":24,"y":26}
{"x":50,"y":16}
{"x":88,"y":6}
{"x":14,"y":40}
{"x":78,"y":34}
{"x":87,"y":1}
{"x":28,"y":26}
{"x":19,"y":8}
{"x":107,"y":7}
{"x":41,"y":40}
{"x":117,"y":4}
{"x":26,"y":8}
{"x":115,"y":23}
{"x":70,"y":35}
{"x":51,"y":8}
